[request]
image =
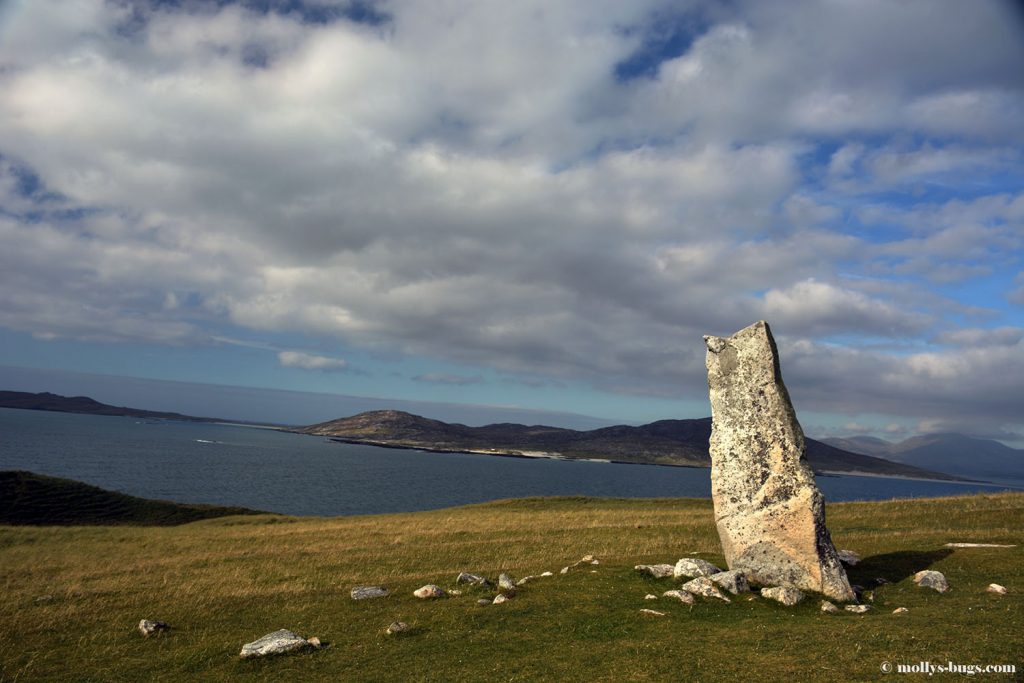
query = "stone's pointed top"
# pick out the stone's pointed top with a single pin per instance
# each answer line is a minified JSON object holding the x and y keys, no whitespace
{"x":714,"y":344}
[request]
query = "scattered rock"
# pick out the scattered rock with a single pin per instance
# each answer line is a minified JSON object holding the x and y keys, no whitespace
{"x":828,"y":608}
{"x":931,"y":579}
{"x":857,"y":609}
{"x":429,"y":591}
{"x":548,"y":574}
{"x":397,"y":627}
{"x":680,"y":595}
{"x":565,"y":570}
{"x":900,"y":610}
{"x":996,"y":588}
{"x":652,"y":612}
{"x":704,"y":587}
{"x":368,"y":592}
{"x":787,"y":595}
{"x":595,"y":562}
{"x":691,"y":567}
{"x":475,"y":579}
{"x":734,"y":581}
{"x":506,"y":583}
{"x":585,"y":559}
{"x":500,"y":599}
{"x":276,"y":643}
{"x":650,"y":596}
{"x":979,"y":545}
{"x":483,"y":601}
{"x":314,"y":642}
{"x":525,"y":580}
{"x":770,"y":513}
{"x":455,"y":592}
{"x":658,"y":571}
{"x":848,"y":557}
{"x":148,"y":627}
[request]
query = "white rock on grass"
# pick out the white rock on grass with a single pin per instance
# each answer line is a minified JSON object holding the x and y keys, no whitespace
{"x":369,"y":592}
{"x":734,"y":581}
{"x":930,"y":578}
{"x":500,"y":599}
{"x":828,"y":608}
{"x":652,"y":612}
{"x":848,"y":557}
{"x":996,"y":588}
{"x":680,"y":595}
{"x":476,"y":579}
{"x":690,"y":567}
{"x":650,"y":596}
{"x":276,"y":643}
{"x":704,"y":587}
{"x":148,"y":627}
{"x":857,"y":609}
{"x":397,"y":627}
{"x":787,"y":595}
{"x":429,"y":591}
{"x":658,"y":571}
{"x":900,"y":610}
{"x":506,"y":583}
{"x":547,"y":574}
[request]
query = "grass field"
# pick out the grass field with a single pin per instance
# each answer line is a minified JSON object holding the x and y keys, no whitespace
{"x":72,"y":596}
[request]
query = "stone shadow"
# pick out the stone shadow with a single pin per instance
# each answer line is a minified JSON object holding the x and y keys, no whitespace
{"x":894,"y":567}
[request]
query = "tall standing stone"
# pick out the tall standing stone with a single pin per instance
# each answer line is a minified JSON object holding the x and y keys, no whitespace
{"x":770,"y":513}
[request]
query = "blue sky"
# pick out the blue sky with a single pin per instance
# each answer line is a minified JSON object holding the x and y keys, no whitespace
{"x":538,"y":206}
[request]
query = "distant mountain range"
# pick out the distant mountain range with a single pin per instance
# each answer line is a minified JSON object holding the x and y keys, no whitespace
{"x":84,"y":405}
{"x":666,"y":442}
{"x":964,"y":456}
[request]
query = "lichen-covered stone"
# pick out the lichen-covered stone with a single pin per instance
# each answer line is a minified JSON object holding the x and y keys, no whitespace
{"x":930,"y":578}
{"x":429,"y":591}
{"x":769,"y":511}
{"x":397,"y":627}
{"x":704,"y":587}
{"x":692,"y":567}
{"x":475,"y":579}
{"x":787,"y":595}
{"x":680,"y":595}
{"x":276,"y":643}
{"x":857,"y":609}
{"x":658,"y":571}
{"x":369,"y":592}
{"x":506,"y":583}
{"x":148,"y":627}
{"x":734,"y":581}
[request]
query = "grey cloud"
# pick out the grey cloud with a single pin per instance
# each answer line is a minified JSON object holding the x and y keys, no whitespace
{"x":448,"y":378}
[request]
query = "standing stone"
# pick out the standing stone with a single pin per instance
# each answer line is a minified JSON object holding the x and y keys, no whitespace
{"x":770,"y":513}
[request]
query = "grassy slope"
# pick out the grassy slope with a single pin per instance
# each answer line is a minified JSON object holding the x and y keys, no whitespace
{"x":223,"y":582}
{"x":28,"y":498}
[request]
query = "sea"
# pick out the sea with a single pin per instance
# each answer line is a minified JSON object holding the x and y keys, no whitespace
{"x":296,"y":474}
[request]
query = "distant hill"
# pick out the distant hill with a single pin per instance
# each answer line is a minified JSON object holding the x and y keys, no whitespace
{"x":666,"y":442}
{"x":36,"y":499}
{"x":85,"y":405}
{"x":958,"y":454}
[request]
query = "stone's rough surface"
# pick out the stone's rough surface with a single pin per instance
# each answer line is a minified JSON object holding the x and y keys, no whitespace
{"x":996,"y":588}
{"x":848,"y":557}
{"x":429,"y":591}
{"x":466,"y":577}
{"x":770,"y":513}
{"x":704,"y":587}
{"x":787,"y":595}
{"x":931,"y":579}
{"x":691,"y":567}
{"x":276,"y":643}
{"x":397,"y":627}
{"x":148,"y":627}
{"x":368,"y":592}
{"x":734,"y":581}
{"x":828,"y":608}
{"x":658,"y":571}
{"x":681,"y":596}
{"x":507,"y":583}
{"x":857,"y":609}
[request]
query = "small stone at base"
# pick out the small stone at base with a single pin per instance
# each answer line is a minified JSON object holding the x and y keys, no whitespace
{"x":996,"y":588}
{"x":314,"y":641}
{"x":857,"y":609}
{"x":900,"y":610}
{"x":828,"y":608}
{"x":395,"y":627}
{"x":148,"y":627}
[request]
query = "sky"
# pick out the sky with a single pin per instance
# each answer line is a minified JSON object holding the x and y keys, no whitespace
{"x":536,"y":206}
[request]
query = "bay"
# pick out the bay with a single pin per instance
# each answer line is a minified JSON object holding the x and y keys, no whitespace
{"x":304,"y":475}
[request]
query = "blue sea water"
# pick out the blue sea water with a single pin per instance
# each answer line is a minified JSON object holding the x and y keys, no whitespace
{"x":305,"y":475}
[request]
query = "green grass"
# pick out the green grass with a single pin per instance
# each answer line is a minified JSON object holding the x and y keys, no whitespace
{"x":223,"y":582}
{"x":36,"y":499}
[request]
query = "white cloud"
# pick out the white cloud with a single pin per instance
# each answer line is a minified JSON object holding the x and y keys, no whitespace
{"x":309,"y":361}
